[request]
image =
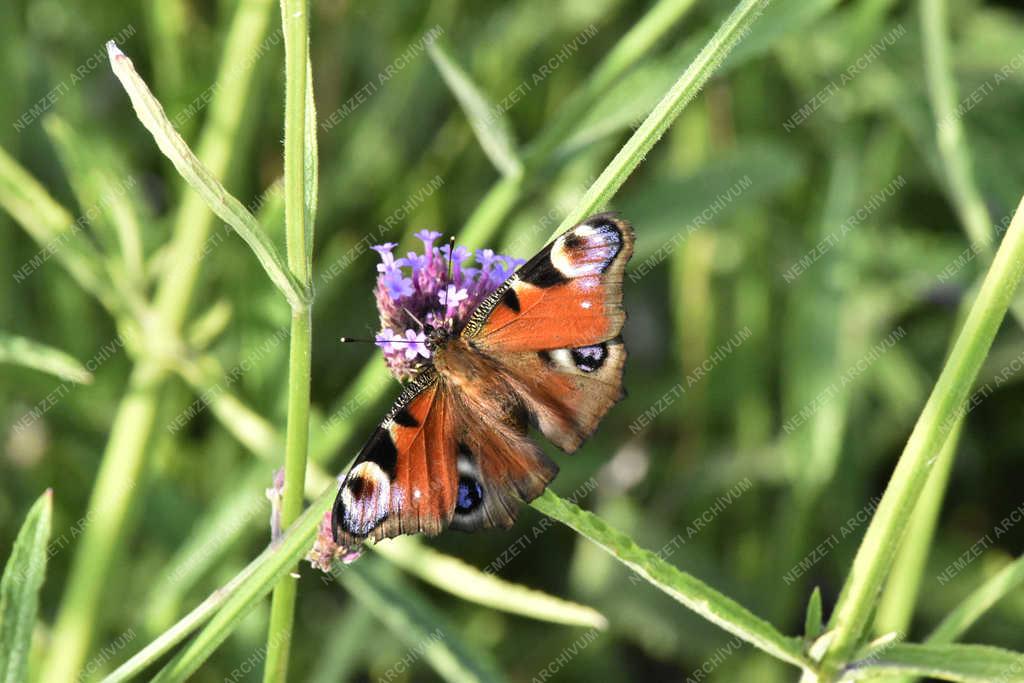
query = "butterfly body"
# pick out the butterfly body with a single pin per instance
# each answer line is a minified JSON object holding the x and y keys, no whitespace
{"x":542,"y":351}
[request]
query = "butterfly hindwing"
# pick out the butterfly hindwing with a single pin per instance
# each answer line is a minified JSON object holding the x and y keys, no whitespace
{"x":434,"y":463}
{"x":568,"y":391}
{"x":499,"y":466}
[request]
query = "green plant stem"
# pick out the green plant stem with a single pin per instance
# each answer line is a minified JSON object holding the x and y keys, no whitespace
{"x":295,"y":21}
{"x":881,"y":541}
{"x":262,"y":574}
{"x":896,"y":609}
{"x":632,"y":154}
{"x":125,"y":455}
{"x":629,"y":50}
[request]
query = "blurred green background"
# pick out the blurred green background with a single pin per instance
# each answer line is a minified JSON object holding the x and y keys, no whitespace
{"x":728,"y":343}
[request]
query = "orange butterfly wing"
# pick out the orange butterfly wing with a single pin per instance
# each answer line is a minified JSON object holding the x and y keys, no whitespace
{"x":568,"y":295}
{"x":405,"y":478}
{"x":432,"y":464}
{"x":554,"y":326}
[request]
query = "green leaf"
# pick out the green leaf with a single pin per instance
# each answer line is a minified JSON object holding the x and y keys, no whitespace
{"x":963,"y":663}
{"x":944,"y":408}
{"x":19,"y":590}
{"x":311,"y":162}
{"x":732,"y":31}
{"x":196,"y":174}
{"x":488,"y":120}
{"x":812,"y":619}
{"x":686,"y":589}
{"x":469,"y":583}
{"x":31,"y":354}
{"x":410,"y":617}
{"x":979,"y":601}
{"x":103,"y":192}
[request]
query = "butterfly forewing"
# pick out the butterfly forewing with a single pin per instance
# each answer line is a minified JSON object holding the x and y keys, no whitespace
{"x":567,"y":296}
{"x":405,"y":478}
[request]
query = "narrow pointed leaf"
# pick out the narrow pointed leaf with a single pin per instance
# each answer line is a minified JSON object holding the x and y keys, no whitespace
{"x":487,"y":119}
{"x":685,"y":588}
{"x":195,"y":173}
{"x":961,"y":663}
{"x":469,"y":583}
{"x":812,"y":620}
{"x":31,"y":354}
{"x":19,"y":590}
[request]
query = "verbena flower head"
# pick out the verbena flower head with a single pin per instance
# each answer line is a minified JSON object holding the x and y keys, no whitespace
{"x":415,"y":290}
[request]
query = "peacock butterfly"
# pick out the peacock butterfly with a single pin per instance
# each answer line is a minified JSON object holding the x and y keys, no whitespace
{"x":542,"y":350}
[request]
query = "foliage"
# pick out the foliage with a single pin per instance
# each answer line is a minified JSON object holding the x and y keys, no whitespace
{"x":819,"y":453}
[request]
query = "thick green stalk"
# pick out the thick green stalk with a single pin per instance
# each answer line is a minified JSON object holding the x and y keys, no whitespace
{"x":296,"y":45}
{"x":125,"y":455}
{"x":896,"y":609}
{"x":875,"y":555}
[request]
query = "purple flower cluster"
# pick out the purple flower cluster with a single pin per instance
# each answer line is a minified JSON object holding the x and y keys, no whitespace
{"x":415,"y":290}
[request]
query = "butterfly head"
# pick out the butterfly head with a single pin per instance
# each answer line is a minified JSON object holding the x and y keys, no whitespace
{"x":438,"y":337}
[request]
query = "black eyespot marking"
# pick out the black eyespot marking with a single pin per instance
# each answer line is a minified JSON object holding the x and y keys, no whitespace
{"x":358,"y":487}
{"x":511,"y":299}
{"x":404,"y":418}
{"x":381,"y":451}
{"x":470,"y":496}
{"x":590,"y":358}
{"x":547,"y":358}
{"x":572,"y":242}
{"x":543,"y":274}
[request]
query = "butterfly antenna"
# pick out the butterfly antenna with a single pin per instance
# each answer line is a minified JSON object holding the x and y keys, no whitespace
{"x":360,"y":340}
{"x":451,"y":253}
{"x":415,"y":319}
